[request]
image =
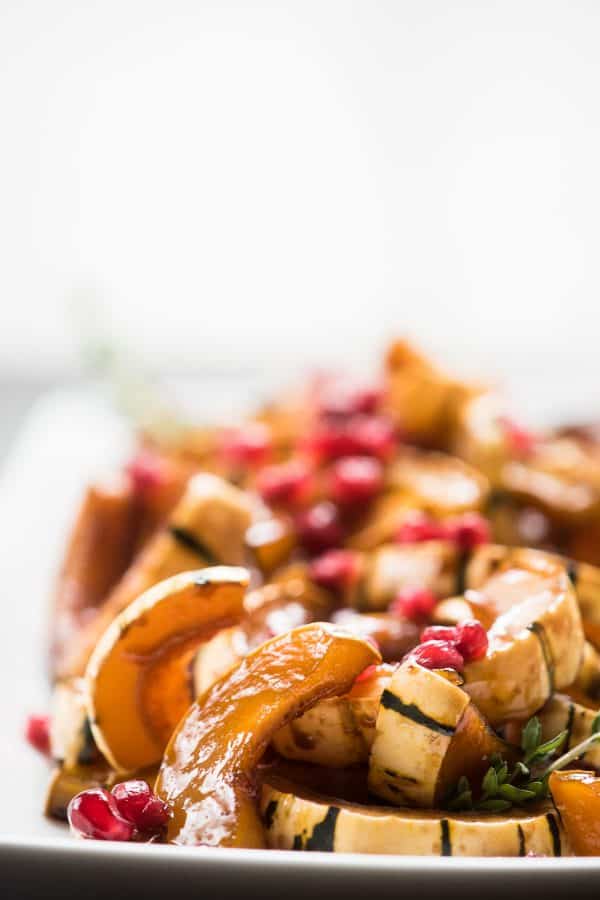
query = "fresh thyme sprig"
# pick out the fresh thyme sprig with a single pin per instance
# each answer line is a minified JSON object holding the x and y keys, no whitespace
{"x":503,"y":787}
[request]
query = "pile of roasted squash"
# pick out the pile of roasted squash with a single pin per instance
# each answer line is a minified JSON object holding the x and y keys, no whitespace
{"x":365,"y":620}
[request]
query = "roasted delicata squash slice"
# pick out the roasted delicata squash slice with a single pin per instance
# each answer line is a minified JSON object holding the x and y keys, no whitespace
{"x":576,"y":795}
{"x":337,"y":732}
{"x":137,"y":679}
{"x":71,"y":739}
{"x":208,"y":767}
{"x":100,"y":548}
{"x":428,"y":734}
{"x":299,"y":819}
{"x":536,"y":640}
{"x":274,"y":608}
{"x":432,"y":564}
{"x":434,"y":483}
{"x":586,"y":687}
{"x":206,"y":527}
{"x":561,"y":713}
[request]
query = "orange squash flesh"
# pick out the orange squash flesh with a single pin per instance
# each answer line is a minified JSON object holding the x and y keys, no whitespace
{"x":472,"y":745}
{"x":209,"y":507}
{"x":137,"y":680}
{"x":576,"y":795}
{"x":99,"y":550}
{"x":207,"y":771}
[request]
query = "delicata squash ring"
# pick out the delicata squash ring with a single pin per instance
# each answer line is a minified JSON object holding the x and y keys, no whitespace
{"x":137,"y":679}
{"x":298,"y":819}
{"x":206,"y":774}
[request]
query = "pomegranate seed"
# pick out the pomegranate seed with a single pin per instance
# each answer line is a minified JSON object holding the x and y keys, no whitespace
{"x":356,"y":479}
{"x":137,"y":803}
{"x":418,"y":527}
{"x":335,"y":570}
{"x":415,"y":604}
{"x":146,"y":471}
{"x":249,"y":446}
{"x":375,"y":436}
{"x":472,"y":642}
{"x":519,"y":440}
{"x":286,"y":483}
{"x":319,"y":527}
{"x":439,"y":633}
{"x":357,"y":436}
{"x":468,"y":531}
{"x":94,"y":814}
{"x":366,"y":674}
{"x":330,"y":441}
{"x":437,"y":655}
{"x":37,"y":732}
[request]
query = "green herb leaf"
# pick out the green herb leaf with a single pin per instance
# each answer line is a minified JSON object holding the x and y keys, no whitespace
{"x":531,"y":736}
{"x":547,"y":748}
{"x":489,"y":784}
{"x":515,"y":794}
{"x":520,"y":772}
{"x":596,"y":724}
{"x":464,"y":800}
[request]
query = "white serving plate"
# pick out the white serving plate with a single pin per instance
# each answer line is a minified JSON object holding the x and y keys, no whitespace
{"x":68,"y":438}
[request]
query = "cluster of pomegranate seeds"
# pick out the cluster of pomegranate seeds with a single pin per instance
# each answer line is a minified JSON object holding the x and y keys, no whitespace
{"x":129,"y":811}
{"x":520,"y":441}
{"x":356,"y":480}
{"x":335,"y":570}
{"x":466,"y":531}
{"x":146,"y":471}
{"x":94,"y":814}
{"x":286,"y":483}
{"x":248,"y":446}
{"x":37,"y":733}
{"x":362,"y":435}
{"x":438,"y":655}
{"x":469,"y":640}
{"x":413,"y":603}
{"x":319,"y":527}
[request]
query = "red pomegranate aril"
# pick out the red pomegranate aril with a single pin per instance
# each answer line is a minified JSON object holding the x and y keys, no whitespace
{"x":418,"y":527}
{"x":335,"y":570}
{"x":285,"y":483}
{"x":472,"y":640}
{"x":94,"y":814}
{"x":520,"y":441}
{"x":319,"y":527}
{"x":415,"y":604}
{"x":37,"y":733}
{"x":356,"y":480}
{"x":330,"y":441}
{"x":366,"y":674}
{"x":437,"y":655}
{"x":439,"y":633}
{"x":248,"y":446}
{"x":146,"y":471}
{"x":375,"y":436}
{"x":468,"y":531}
{"x":138,"y":804}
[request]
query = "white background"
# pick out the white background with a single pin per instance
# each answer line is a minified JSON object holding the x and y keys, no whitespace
{"x":244,"y":184}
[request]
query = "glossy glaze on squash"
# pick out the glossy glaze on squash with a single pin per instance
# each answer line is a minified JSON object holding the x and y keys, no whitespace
{"x":576,"y":796}
{"x":208,"y":767}
{"x":137,"y":680}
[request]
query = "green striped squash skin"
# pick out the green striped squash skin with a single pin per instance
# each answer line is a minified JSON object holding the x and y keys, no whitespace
{"x":298,"y":820}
